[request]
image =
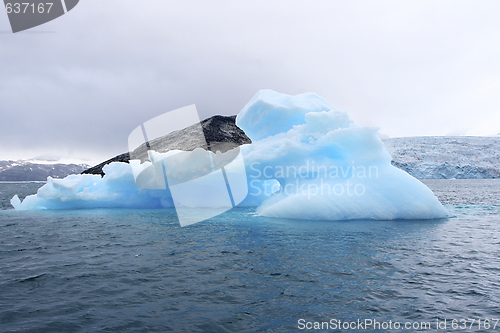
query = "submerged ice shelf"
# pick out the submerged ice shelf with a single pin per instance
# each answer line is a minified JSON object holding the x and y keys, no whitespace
{"x":306,"y":161}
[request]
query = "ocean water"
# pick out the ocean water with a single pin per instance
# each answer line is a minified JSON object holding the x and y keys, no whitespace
{"x":139,"y":271}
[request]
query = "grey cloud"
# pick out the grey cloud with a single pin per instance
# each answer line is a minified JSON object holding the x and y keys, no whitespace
{"x":411,"y":68}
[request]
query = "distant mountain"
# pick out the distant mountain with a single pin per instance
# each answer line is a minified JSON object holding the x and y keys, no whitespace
{"x":220,"y":134}
{"x":444,"y":157}
{"x":27,"y":170}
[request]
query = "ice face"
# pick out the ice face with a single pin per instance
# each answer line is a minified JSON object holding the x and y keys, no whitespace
{"x":269,"y":113}
{"x":307,"y":161}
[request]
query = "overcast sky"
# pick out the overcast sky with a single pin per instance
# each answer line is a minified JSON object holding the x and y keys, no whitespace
{"x":77,"y":86}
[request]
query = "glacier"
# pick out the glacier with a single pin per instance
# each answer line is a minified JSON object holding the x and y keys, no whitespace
{"x":306,"y":161}
{"x":446,"y":157}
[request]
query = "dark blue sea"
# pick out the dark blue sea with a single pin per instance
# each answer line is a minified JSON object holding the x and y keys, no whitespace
{"x":139,"y":271}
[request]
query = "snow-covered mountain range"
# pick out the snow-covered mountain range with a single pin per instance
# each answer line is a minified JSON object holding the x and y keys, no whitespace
{"x":39,"y":169}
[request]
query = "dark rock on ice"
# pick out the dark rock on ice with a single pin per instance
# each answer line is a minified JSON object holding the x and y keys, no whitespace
{"x":220,"y":134}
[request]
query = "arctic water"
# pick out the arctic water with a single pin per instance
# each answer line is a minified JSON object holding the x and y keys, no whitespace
{"x":107,"y":270}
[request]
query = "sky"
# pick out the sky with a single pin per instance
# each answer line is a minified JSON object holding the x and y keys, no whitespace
{"x":77,"y":86}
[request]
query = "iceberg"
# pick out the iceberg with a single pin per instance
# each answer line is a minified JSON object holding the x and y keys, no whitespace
{"x":306,"y":161}
{"x":327,"y":168}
